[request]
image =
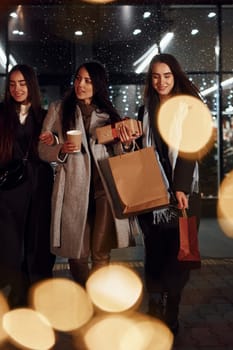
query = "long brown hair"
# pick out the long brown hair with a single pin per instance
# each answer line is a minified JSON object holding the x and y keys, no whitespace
{"x":9,"y":107}
{"x":100,"y":97}
{"x":182,"y":84}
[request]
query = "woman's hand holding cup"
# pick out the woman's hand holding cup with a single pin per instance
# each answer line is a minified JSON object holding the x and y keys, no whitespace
{"x":73,"y":143}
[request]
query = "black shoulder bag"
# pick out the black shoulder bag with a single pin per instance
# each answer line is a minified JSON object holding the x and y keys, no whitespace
{"x":14,"y":173}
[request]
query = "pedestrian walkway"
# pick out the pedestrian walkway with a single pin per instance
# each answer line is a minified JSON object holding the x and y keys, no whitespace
{"x":206,"y":310}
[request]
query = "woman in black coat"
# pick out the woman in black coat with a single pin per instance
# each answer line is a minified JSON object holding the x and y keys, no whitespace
{"x":165,"y":276}
{"x":25,"y":256}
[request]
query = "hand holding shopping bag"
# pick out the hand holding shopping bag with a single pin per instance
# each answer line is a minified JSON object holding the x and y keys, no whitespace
{"x":189,"y":247}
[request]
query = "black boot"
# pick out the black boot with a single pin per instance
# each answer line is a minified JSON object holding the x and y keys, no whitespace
{"x":165,"y":307}
{"x":157,"y":305}
{"x":79,"y":270}
{"x":172,"y":312}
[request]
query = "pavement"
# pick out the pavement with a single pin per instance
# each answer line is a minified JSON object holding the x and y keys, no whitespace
{"x":206,"y":310}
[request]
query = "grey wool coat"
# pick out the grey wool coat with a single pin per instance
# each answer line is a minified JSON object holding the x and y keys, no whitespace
{"x":72,"y":183}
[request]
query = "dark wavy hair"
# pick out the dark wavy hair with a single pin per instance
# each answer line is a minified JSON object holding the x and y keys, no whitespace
{"x":100,"y":98}
{"x":9,"y":108}
{"x":182,"y":84}
{"x":32,"y":85}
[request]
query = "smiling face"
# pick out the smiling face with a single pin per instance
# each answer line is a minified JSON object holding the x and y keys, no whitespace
{"x":18,"y":87}
{"x":83,"y":86}
{"x":162,"y":80}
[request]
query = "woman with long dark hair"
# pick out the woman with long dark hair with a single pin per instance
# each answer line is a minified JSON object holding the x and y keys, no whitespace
{"x":83,"y":227}
{"x":25,"y":255}
{"x":165,"y":276}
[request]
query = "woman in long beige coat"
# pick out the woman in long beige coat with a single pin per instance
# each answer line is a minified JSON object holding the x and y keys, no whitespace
{"x":83,"y":224}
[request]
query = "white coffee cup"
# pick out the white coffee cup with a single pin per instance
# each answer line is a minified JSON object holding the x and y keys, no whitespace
{"x":75,"y":136}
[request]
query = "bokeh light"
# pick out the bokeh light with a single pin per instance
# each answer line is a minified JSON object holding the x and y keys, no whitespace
{"x":114,"y":288}
{"x":28,"y":329}
{"x":63,"y":302}
{"x":225,"y":205}
{"x":98,"y":1}
{"x":186,"y":125}
{"x":4,"y":308}
{"x":121,"y":332}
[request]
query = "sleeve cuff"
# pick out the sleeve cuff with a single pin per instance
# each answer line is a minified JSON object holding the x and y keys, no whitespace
{"x":56,"y":140}
{"x":62,"y":157}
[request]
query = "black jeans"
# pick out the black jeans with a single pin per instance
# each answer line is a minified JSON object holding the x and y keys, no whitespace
{"x":163,"y":271}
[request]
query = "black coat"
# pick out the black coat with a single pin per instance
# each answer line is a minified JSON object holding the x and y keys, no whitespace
{"x":162,"y":268}
{"x":25,"y":212}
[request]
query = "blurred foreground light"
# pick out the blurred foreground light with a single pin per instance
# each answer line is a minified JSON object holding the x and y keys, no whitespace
{"x":28,"y":329}
{"x":121,"y":332}
{"x":4,"y":308}
{"x":63,"y":302}
{"x":225,"y":205}
{"x":186,"y":125}
{"x":114,"y":288}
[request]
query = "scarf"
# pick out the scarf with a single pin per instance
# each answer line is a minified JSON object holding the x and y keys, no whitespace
{"x":167,"y":214}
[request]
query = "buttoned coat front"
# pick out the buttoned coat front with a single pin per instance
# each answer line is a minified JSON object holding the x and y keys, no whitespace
{"x":72,"y":184}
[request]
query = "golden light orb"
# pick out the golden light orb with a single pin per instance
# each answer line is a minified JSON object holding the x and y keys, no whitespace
{"x":225,"y":205}
{"x":28,"y":329}
{"x":114,"y":288}
{"x":63,"y":302}
{"x":186,"y":125}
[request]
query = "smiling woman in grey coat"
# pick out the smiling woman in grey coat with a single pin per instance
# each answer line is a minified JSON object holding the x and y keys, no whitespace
{"x":83,"y":224}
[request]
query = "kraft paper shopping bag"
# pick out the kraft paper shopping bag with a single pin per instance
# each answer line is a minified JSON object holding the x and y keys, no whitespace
{"x":138,"y":181}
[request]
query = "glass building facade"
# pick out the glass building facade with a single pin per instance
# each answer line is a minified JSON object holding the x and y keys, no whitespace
{"x":56,"y":37}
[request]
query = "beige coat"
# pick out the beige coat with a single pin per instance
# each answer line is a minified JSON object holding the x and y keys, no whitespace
{"x":72,"y":183}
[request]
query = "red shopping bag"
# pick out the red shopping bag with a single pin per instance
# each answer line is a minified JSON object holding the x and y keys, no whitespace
{"x":189,"y":246}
